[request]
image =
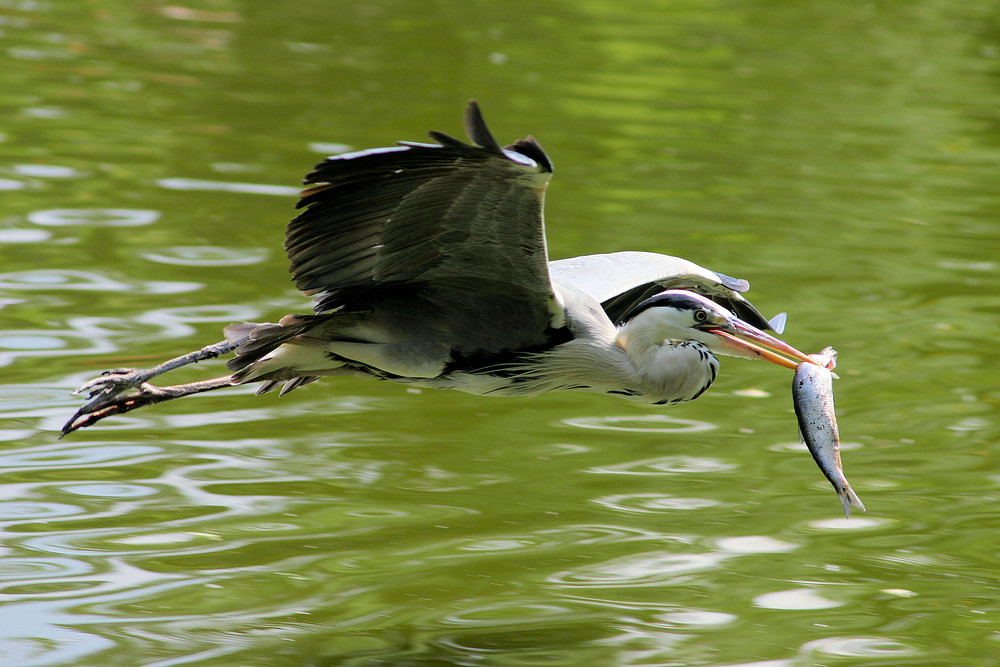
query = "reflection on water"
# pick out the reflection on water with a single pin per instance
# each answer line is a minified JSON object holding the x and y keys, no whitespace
{"x":656,"y":423}
{"x":86,"y":281}
{"x":21,"y":343}
{"x":696,"y":618}
{"x":11,"y":184}
{"x":23,"y":235}
{"x":640,"y":570}
{"x":221,"y":186}
{"x":858,"y":647}
{"x":46,"y":171}
{"x":842,"y":157}
{"x":35,"y":510}
{"x":98,"y":217}
{"x":205,"y":256}
{"x":668,"y":465}
{"x":800,"y":598}
{"x":854,"y":523}
{"x":653,"y":502}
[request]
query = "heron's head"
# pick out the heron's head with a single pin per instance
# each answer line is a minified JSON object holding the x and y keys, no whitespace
{"x":680,"y":315}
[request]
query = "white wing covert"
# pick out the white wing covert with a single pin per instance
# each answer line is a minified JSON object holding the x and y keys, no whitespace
{"x":621,"y":280}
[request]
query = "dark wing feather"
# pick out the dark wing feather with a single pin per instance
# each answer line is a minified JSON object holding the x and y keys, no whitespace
{"x":451,"y":225}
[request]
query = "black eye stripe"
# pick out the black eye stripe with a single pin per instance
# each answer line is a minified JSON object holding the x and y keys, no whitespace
{"x":679,"y":300}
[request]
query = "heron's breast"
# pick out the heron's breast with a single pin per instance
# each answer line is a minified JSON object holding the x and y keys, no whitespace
{"x":677,"y":372}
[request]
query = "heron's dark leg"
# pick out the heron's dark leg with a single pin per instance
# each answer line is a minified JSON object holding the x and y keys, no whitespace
{"x":118,"y":380}
{"x":117,"y":403}
{"x":103,"y":391}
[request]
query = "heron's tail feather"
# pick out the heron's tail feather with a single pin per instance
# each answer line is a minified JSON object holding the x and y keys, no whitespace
{"x":256,"y":340}
{"x":279,"y":353}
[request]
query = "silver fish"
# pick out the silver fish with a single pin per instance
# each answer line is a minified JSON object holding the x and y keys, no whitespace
{"x":812,"y":391}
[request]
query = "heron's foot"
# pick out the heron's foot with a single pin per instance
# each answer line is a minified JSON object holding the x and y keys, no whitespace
{"x":113,"y":382}
{"x":110,"y":395}
{"x":123,"y":390}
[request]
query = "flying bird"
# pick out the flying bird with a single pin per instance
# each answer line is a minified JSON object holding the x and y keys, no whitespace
{"x":429,"y":267}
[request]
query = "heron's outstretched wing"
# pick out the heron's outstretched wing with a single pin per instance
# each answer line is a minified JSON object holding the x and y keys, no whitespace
{"x":620,"y":280}
{"x":455,"y":228}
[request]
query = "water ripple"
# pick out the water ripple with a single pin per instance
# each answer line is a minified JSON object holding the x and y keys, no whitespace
{"x":11,"y":184}
{"x":199,"y":314}
{"x":659,"y":568}
{"x":46,"y":111}
{"x":41,"y":568}
{"x":514,"y":612}
{"x":860,"y":647}
{"x":653,"y":503}
{"x":17,"y":235}
{"x":94,"y":217}
{"x":530,"y":544}
{"x":697,"y":618}
{"x":754,"y":544}
{"x":193,"y":184}
{"x":34,"y":53}
{"x":571,"y":535}
{"x":67,"y":456}
{"x":60,"y":279}
{"x":667,"y":465}
{"x":110,"y":490}
{"x":29,"y":340}
{"x":657,"y":424}
{"x":206,"y":256}
{"x":329,"y":148}
{"x":31,"y":510}
{"x":854,"y":523}
{"x":113,"y":541}
{"x":18,"y":343}
{"x":801,"y":446}
{"x":50,"y":644}
{"x":20,"y":401}
{"x":640,"y":570}
{"x":47,"y":171}
{"x":67,"y":279}
{"x":13,"y":434}
{"x":795,"y":599}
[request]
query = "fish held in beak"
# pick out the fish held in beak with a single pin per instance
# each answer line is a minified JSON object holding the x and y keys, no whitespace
{"x":812,"y":391}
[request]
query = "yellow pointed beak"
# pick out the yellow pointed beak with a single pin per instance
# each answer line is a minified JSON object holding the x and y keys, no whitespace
{"x":744,"y":340}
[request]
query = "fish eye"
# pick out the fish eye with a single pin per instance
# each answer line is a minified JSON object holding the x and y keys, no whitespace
{"x":700,"y":316}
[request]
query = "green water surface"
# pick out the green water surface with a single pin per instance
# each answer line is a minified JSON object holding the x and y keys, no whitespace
{"x":842,"y":156}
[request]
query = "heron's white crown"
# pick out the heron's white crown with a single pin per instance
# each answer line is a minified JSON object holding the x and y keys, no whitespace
{"x":674,"y":315}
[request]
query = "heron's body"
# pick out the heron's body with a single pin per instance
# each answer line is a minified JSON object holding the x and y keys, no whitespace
{"x":581,"y":353}
{"x":429,"y":267}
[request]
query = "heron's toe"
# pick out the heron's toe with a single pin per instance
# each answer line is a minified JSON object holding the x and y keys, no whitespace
{"x":112,"y":382}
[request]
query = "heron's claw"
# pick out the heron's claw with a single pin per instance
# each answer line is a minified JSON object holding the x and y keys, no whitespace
{"x":112,"y":382}
{"x":110,"y":400}
{"x":121,"y":390}
{"x":104,"y":394}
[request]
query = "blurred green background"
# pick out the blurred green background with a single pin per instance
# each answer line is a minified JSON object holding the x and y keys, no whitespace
{"x":842,"y":156}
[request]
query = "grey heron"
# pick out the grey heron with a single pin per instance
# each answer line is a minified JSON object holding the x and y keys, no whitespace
{"x":429,"y":266}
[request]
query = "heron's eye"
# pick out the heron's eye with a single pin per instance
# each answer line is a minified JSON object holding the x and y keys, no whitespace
{"x":700,"y":316}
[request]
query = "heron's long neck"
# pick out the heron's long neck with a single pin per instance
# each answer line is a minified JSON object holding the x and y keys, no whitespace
{"x":678,"y":369}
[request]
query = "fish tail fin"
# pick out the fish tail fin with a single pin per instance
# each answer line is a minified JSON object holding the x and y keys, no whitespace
{"x":850,"y":499}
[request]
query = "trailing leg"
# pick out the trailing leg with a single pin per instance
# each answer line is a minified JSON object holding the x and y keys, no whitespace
{"x":117,"y":380}
{"x":117,"y":403}
{"x":107,"y":392}
{"x":261,"y":356}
